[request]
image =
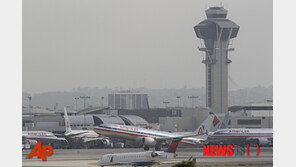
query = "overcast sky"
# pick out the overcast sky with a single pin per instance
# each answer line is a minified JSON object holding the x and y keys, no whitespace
{"x":130,"y":43}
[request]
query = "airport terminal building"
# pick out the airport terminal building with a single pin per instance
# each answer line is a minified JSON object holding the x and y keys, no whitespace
{"x":128,"y":100}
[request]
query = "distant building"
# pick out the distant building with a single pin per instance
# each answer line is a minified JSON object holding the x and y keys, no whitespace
{"x":87,"y":121}
{"x":189,"y":120}
{"x":250,"y":122}
{"x":258,"y":115}
{"x":37,"y":111}
{"x":98,"y":110}
{"x":128,"y":100}
{"x":152,"y":115}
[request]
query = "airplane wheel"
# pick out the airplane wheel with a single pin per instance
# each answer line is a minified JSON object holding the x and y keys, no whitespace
{"x":157,"y":148}
{"x":146,"y":148}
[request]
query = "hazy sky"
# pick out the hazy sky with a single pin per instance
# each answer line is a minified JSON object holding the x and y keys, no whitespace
{"x":137,"y":43}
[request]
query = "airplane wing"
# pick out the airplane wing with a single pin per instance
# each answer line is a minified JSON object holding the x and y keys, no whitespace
{"x":59,"y":135}
{"x":54,"y":138}
{"x":176,"y":137}
{"x":45,"y":140}
{"x":171,"y":162}
{"x":90,"y":139}
{"x":60,"y":138}
{"x":201,"y":130}
{"x":75,"y":134}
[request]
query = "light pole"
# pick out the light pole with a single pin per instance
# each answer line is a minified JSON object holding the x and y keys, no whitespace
{"x":166,"y":103}
{"x":102,"y":101}
{"x":178,"y":98}
{"x":192,"y":99}
{"x":269,"y":101}
{"x":76,"y":98}
{"x":30,"y":98}
{"x":84,"y":98}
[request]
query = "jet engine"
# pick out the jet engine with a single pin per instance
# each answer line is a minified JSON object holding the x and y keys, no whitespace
{"x":29,"y":143}
{"x":154,"y":154}
{"x":262,"y":141}
{"x":106,"y":142}
{"x":148,"y":141}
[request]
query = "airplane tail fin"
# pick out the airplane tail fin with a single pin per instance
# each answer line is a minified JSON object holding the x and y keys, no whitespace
{"x":173,"y":146}
{"x":206,"y":125}
{"x":67,"y":122}
{"x":221,"y":124}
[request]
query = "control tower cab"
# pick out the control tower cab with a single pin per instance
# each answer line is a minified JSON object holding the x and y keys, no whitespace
{"x":216,"y":32}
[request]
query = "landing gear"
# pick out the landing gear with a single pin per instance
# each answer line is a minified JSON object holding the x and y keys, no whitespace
{"x":146,"y":148}
{"x":157,"y":148}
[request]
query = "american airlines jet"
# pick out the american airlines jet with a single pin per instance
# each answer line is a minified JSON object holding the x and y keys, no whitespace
{"x":45,"y":137}
{"x":154,"y":138}
{"x":239,"y":136}
{"x":147,"y":158}
{"x":86,"y":136}
{"x":263,"y":137}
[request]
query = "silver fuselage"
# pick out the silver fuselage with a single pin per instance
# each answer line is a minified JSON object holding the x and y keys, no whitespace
{"x":84,"y":135}
{"x":136,"y":158}
{"x":136,"y":134}
{"x":237,"y":136}
{"x":41,"y":136}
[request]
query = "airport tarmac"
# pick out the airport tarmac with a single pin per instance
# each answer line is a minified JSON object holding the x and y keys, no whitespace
{"x":89,"y":158}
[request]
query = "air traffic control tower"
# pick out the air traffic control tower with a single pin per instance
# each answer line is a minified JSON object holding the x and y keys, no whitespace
{"x":216,"y":32}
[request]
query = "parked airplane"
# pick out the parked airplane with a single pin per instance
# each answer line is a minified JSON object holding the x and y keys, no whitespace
{"x":242,"y":136}
{"x":85,"y":136}
{"x":263,"y":137}
{"x":150,"y":137}
{"x":32,"y":137}
{"x":147,"y":158}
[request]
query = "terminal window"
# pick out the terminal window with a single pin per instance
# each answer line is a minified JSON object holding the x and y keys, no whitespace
{"x":249,"y":122}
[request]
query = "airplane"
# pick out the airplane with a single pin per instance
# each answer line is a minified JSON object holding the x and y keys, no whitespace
{"x":150,"y":137}
{"x":32,"y":137}
{"x":241,"y":137}
{"x":85,"y":136}
{"x":147,"y":158}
